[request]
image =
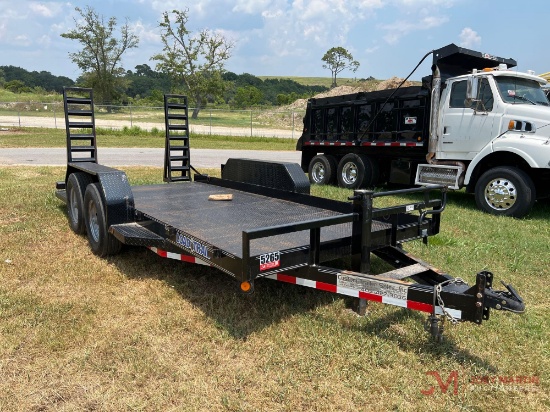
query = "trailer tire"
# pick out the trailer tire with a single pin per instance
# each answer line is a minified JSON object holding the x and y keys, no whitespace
{"x":101,"y":241}
{"x":505,"y":191}
{"x":76,"y":188}
{"x":356,"y":171}
{"x":322,"y":170}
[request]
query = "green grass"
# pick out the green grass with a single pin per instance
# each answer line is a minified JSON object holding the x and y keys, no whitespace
{"x":138,"y":332}
{"x":7,"y":96}
{"x":136,"y":137}
{"x":315,"y":81}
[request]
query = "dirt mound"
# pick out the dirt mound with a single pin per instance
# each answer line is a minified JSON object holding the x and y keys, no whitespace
{"x":393,"y":83}
{"x":283,"y":115}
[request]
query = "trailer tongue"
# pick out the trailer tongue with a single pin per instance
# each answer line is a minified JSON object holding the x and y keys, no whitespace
{"x":266,"y":225}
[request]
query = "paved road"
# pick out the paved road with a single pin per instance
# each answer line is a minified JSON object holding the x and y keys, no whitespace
{"x":206,"y":158}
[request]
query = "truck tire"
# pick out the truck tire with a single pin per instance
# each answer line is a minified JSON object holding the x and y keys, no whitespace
{"x":505,"y":191}
{"x":76,"y":187}
{"x":357,"y":171}
{"x":101,"y":241}
{"x":322,"y":170}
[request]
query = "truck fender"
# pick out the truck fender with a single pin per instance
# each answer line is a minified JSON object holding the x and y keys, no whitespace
{"x":504,"y":145}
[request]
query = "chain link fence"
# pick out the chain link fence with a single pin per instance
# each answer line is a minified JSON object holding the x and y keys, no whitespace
{"x":273,"y":122}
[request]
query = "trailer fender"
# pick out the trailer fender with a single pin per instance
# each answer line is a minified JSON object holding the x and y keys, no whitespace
{"x":115,"y":188}
{"x":119,"y":200}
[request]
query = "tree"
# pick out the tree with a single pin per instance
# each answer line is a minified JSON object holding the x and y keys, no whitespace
{"x":338,"y":59}
{"x":101,"y":53}
{"x":16,"y":86}
{"x":248,"y":96}
{"x":197,"y":61}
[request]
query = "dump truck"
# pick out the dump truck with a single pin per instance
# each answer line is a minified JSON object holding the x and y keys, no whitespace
{"x":259,"y":221}
{"x":474,"y":123}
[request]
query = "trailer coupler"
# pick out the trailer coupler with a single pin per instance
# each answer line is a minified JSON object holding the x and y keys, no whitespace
{"x":504,"y":300}
{"x":486,"y":298}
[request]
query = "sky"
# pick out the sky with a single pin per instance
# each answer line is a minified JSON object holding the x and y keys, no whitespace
{"x":289,"y":37}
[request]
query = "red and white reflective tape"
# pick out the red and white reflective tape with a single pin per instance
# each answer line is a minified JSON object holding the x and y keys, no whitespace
{"x":178,"y":256}
{"x":328,"y":143}
{"x":370,"y":144}
{"x":392,"y":144}
{"x":409,"y":304}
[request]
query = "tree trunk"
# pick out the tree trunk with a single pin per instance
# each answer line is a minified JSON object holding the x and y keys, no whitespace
{"x":196,"y":111}
{"x":198,"y":107}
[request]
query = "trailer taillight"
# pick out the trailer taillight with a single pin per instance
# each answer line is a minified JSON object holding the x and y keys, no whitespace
{"x":246,"y":286}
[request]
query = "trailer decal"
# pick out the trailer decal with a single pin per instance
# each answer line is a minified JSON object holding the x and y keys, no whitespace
{"x":372,"y":286}
{"x":401,"y":301}
{"x":178,"y":256}
{"x":192,"y":245}
{"x":270,"y":260}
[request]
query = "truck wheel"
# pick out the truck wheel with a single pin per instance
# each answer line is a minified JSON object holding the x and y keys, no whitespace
{"x":322,"y":170}
{"x":505,"y":191}
{"x":76,"y":187}
{"x":357,"y":171}
{"x":101,"y":241}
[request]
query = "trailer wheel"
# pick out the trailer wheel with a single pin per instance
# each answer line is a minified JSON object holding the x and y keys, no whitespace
{"x":101,"y":241}
{"x":357,"y":171}
{"x":76,"y":187}
{"x":505,"y":191}
{"x":322,"y":170}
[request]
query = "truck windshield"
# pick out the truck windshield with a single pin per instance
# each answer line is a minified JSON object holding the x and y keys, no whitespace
{"x":516,"y":90}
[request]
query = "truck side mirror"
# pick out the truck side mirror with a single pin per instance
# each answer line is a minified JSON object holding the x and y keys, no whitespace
{"x":472,"y":90}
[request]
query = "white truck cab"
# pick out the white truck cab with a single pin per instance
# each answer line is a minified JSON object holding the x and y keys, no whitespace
{"x":493,"y":131}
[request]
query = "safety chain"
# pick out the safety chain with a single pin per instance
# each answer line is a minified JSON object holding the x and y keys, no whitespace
{"x":437,"y":296}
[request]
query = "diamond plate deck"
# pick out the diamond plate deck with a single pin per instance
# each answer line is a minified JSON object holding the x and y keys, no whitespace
{"x":186,"y":207}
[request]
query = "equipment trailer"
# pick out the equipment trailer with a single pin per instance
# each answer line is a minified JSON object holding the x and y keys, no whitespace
{"x":267,"y":225}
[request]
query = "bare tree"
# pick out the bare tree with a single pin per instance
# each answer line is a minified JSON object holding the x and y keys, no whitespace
{"x":197,"y":61}
{"x":101,"y":52}
{"x":338,"y":59}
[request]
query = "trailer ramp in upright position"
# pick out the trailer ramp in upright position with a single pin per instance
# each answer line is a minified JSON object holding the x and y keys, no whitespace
{"x":272,"y":228}
{"x":177,"y":166}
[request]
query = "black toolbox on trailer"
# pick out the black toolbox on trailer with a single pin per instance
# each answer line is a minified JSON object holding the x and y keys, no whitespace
{"x":259,"y":221}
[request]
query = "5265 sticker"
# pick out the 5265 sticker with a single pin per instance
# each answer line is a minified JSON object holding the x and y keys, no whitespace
{"x":270,"y":260}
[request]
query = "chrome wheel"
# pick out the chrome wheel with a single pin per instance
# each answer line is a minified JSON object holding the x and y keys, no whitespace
{"x":500,"y":194}
{"x":349,"y":173}
{"x":318,"y":172}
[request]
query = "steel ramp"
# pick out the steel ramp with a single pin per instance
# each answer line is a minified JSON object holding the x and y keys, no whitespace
{"x":176,"y":154}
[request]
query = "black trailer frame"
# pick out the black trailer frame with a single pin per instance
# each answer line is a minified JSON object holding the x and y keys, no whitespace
{"x":272,"y":228}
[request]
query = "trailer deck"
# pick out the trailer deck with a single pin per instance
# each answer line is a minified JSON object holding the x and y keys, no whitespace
{"x":186,"y":208}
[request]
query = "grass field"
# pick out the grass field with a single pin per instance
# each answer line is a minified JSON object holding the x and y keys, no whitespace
{"x":135,"y":137}
{"x":315,"y":81}
{"x":138,"y":332}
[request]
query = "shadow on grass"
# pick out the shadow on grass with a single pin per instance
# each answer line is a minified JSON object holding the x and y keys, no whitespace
{"x":218,"y":297}
{"x":382,"y":326}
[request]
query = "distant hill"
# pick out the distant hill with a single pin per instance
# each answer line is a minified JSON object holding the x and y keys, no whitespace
{"x":30,"y":80}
